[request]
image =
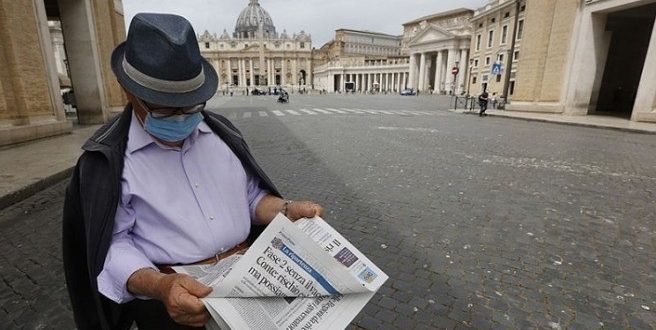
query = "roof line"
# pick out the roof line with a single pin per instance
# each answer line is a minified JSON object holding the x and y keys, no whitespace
{"x":440,"y":14}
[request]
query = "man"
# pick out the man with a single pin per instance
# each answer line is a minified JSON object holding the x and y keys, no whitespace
{"x":482,"y":102}
{"x":164,"y":183}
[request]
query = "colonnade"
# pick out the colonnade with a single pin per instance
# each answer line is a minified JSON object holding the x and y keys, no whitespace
{"x":380,"y":82}
{"x":433,"y":70}
{"x":246,"y":69}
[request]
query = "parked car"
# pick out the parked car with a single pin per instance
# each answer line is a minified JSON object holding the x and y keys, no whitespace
{"x":408,"y":92}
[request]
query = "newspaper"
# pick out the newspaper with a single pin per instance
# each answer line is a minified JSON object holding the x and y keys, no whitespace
{"x":301,"y":275}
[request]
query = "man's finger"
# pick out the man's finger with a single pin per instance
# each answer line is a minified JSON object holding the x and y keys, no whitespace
{"x":195,"y":288}
{"x":191,"y":304}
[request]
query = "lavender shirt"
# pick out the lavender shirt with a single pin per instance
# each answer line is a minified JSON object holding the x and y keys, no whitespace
{"x":177,"y":206}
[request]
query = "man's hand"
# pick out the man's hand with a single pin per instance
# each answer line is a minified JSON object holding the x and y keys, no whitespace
{"x":180,"y":294}
{"x":269,"y":206}
{"x":304,"y":209}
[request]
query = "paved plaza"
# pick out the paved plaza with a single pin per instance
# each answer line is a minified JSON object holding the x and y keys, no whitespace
{"x":479,"y":222}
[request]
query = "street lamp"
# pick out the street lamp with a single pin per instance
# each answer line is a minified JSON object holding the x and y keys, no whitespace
{"x":455,"y":79}
{"x":469,"y":80}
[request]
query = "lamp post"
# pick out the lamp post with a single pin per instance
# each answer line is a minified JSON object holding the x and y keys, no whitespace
{"x":469,"y":80}
{"x":456,"y":71}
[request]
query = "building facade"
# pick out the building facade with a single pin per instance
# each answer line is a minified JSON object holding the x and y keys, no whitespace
{"x":31,"y":104}
{"x":256,"y":55}
{"x":362,"y":74}
{"x":493,"y":51}
{"x":589,"y":57}
{"x":438,"y":50}
{"x":362,"y":61}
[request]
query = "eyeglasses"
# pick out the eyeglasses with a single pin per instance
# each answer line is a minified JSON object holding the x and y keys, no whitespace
{"x":165,"y":112}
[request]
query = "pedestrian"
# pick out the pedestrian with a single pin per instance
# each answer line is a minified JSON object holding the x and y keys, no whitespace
{"x":164,"y":183}
{"x":493,"y":99}
{"x":482,"y":101}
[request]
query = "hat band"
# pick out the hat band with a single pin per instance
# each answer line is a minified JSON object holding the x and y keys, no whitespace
{"x":160,"y":85}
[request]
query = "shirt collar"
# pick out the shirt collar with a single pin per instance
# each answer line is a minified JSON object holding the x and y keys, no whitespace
{"x":138,"y":137}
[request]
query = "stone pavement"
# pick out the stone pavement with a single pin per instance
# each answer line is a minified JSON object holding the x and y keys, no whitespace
{"x":32,"y":166}
{"x":607,"y":122}
{"x":480,"y":224}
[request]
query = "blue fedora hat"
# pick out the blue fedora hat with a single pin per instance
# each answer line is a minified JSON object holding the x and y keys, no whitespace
{"x":160,"y":62}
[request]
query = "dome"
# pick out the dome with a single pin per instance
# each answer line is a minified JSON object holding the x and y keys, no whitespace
{"x":249,"y":19}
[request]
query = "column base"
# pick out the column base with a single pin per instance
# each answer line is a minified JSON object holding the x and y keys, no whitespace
{"x":649,"y":117}
{"x":542,"y":107}
{"x":23,"y":133}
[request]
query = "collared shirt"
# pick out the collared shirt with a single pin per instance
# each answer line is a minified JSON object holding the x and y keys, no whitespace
{"x":177,"y":206}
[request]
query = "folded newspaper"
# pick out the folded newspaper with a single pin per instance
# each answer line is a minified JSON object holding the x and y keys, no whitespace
{"x":301,"y":275}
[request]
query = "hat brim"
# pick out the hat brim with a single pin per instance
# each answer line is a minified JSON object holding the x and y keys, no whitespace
{"x":199,"y":95}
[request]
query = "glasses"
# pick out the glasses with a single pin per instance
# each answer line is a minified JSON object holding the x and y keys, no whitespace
{"x":165,"y":112}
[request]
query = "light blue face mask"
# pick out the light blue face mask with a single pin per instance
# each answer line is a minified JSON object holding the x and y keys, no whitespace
{"x":172,"y":129}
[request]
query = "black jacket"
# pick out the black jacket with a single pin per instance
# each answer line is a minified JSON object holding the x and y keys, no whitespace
{"x":90,"y":206}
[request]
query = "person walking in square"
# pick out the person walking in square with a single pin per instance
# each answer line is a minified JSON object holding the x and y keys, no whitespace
{"x":482,"y":102}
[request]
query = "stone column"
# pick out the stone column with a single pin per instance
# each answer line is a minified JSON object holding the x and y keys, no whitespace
{"x":644,"y":108}
{"x":462,"y":74}
{"x":422,"y":72}
{"x":450,"y":63}
{"x":344,"y":77}
{"x":438,"y":72}
{"x":308,"y":75}
{"x":283,"y":75}
{"x":243,"y":68}
{"x":252,"y":68}
{"x":294,"y":72}
{"x":357,"y":82}
{"x":411,"y":74}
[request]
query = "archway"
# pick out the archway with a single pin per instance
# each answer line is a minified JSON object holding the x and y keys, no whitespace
{"x":630,"y":34}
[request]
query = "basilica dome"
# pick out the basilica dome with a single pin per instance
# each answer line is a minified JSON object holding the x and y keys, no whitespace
{"x":248,"y":22}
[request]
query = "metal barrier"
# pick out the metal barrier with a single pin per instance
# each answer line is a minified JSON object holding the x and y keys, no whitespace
{"x":464,"y":102}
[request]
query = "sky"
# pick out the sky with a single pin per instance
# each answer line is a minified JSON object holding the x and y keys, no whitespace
{"x":320,"y":18}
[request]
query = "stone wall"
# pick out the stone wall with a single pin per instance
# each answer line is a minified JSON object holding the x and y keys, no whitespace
{"x":23,"y":75}
{"x":545,"y":47}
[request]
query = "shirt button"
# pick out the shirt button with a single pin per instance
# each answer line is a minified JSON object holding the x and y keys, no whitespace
{"x":196,"y":185}
{"x":211,"y":218}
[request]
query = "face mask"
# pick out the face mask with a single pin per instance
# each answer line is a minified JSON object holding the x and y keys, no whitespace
{"x":174,"y":128}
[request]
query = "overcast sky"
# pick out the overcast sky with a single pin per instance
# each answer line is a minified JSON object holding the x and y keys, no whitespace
{"x":320,"y":18}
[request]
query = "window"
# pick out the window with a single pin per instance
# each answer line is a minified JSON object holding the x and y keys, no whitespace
{"x":207,"y":45}
{"x":516,"y":55}
{"x":478,"y":42}
{"x":473,"y":80}
{"x":504,"y":35}
{"x":485,"y":77}
{"x":487,"y":60}
{"x":500,"y":58}
{"x":493,"y":20}
{"x":490,"y":38}
{"x":522,"y":8}
{"x":506,"y":15}
{"x":476,"y":63}
{"x":520,"y":29}
{"x":498,"y":78}
{"x":480,"y":25}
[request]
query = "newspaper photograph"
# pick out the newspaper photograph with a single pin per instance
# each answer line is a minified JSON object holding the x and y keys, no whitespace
{"x":302,"y":275}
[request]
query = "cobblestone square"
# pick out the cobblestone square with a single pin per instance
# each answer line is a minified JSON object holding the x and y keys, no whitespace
{"x":479,"y":222}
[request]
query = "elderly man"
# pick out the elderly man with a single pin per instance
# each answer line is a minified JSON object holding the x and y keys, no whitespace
{"x":164,"y":183}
